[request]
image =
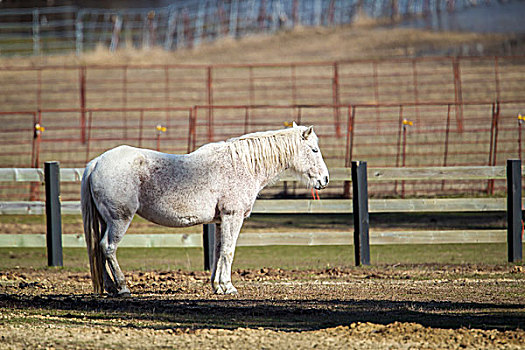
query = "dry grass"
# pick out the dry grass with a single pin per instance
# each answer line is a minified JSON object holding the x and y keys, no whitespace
{"x":301,"y":44}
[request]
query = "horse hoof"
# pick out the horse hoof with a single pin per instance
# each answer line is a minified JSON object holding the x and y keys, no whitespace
{"x":226,"y":290}
{"x":124,"y":293}
{"x":230,"y":289}
{"x":232,"y":292}
{"x":111,"y":290}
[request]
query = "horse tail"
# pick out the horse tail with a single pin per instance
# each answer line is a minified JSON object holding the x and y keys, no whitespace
{"x":92,"y":225}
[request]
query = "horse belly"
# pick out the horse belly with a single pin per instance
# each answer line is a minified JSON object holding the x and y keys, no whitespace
{"x":177,"y":215}
{"x":178,"y":192}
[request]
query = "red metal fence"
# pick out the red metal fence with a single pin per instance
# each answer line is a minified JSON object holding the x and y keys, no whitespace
{"x":449,"y":79}
{"x":462,"y":110}
{"x":385,"y":135}
{"x":388,"y":135}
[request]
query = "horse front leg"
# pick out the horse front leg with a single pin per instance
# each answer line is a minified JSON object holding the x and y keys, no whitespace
{"x":225,"y":245}
{"x":216,"y":251}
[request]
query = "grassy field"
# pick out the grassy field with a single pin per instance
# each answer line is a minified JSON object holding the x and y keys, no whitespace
{"x":276,"y":257}
{"x":72,"y":224}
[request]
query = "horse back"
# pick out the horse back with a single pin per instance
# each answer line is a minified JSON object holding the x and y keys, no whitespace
{"x":172,"y":190}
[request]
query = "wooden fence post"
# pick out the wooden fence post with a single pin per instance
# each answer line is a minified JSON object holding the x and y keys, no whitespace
{"x":361,"y":218}
{"x":53,"y":215}
{"x":514,"y":218}
{"x":208,"y":242}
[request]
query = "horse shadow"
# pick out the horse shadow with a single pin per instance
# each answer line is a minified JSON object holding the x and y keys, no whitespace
{"x":284,"y":315}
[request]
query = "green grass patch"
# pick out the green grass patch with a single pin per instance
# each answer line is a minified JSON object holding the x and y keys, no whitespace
{"x":284,"y":257}
{"x":282,"y":223}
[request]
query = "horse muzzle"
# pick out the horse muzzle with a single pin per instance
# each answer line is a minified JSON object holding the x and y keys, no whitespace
{"x":322,"y":183}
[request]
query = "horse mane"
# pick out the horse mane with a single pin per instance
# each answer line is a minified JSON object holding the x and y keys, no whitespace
{"x":267,"y":151}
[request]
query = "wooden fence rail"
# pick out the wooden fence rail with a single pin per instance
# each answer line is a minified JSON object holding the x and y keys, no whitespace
{"x":325,"y":206}
{"x":336,"y":174}
{"x":289,"y":206}
{"x":308,"y":206}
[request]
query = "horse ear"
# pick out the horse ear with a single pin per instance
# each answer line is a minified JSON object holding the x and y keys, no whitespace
{"x":308,"y":132}
{"x":294,"y":125}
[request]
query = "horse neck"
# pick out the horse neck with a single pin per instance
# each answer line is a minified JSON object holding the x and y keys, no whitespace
{"x":267,"y":176}
{"x":267,"y":166}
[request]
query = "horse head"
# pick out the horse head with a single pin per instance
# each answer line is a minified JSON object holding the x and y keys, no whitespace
{"x":309,"y":163}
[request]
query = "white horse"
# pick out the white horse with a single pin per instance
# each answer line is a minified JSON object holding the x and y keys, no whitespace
{"x":219,"y":183}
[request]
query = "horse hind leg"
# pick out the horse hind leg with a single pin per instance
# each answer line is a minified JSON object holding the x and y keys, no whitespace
{"x":109,"y":285}
{"x":112,"y":237}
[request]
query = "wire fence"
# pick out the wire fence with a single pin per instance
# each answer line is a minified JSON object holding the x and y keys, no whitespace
{"x":462,"y":110}
{"x":488,"y":133}
{"x":189,"y":23}
{"x":440,"y":79}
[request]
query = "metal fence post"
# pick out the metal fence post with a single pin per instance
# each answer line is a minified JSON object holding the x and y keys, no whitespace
{"x":208,"y":243}
{"x":514,"y":218}
{"x":234,"y":12}
{"x":180,"y":31}
{"x":295,"y":13}
{"x":361,"y":219}
{"x":210,"y":102}
{"x":115,"y":35}
{"x":79,"y":33}
{"x":172,"y":27}
{"x":318,"y":9}
{"x":53,"y":218}
{"x":458,"y":93}
{"x":349,"y":147}
{"x":82,"y":90}
{"x":199,"y":24}
{"x":35,"y":152}
{"x":335,"y":99}
{"x":493,"y":144}
{"x":36,"y":32}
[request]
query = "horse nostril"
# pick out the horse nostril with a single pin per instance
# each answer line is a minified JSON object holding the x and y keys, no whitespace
{"x":326,"y":180}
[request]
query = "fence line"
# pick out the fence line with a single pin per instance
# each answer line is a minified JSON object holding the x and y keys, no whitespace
{"x":450,"y":82}
{"x":288,"y":206}
{"x":487,"y":134}
{"x":249,"y":239}
{"x":189,"y":23}
{"x":451,"y":79}
{"x":361,"y":236}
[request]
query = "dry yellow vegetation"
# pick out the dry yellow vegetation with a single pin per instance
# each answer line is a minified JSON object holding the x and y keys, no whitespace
{"x":301,"y":44}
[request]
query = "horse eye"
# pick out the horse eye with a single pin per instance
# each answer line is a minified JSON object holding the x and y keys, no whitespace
{"x":315,"y":150}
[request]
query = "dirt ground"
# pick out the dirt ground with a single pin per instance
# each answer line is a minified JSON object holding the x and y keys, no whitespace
{"x":397,"y":306}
